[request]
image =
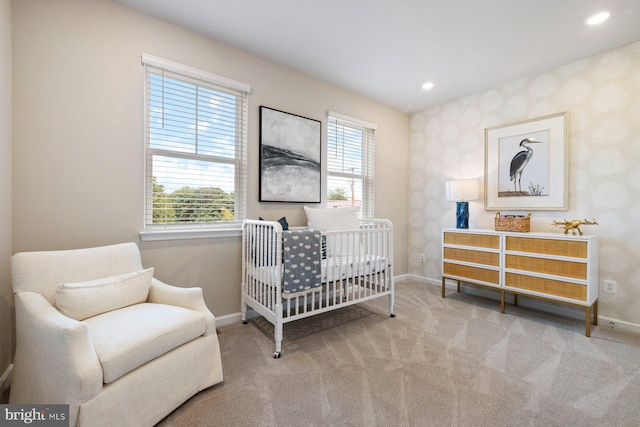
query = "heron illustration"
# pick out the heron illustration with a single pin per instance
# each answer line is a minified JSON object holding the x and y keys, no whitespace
{"x":520,"y":161}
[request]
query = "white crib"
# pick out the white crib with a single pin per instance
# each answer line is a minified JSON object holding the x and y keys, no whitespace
{"x":363,"y":270}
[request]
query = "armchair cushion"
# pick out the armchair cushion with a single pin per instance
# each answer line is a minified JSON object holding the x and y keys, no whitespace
{"x":82,"y":300}
{"x":127,"y":338}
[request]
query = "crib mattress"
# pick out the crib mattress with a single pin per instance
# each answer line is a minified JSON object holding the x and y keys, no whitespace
{"x":333,"y":268}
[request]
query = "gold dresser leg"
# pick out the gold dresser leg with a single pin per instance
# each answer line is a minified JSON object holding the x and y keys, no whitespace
{"x":502,"y":301}
{"x":595,"y":313}
{"x":458,"y":285}
{"x":587,"y":312}
{"x":443,"y":279}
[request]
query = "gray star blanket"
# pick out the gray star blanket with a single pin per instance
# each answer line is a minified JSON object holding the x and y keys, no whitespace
{"x":301,"y":262}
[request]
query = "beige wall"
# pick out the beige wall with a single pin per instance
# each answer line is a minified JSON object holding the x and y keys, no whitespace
{"x":602,"y":97}
{"x":5,"y":185}
{"x":78,"y":137}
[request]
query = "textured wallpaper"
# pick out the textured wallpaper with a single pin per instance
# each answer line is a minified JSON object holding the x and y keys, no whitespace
{"x":601,"y":95}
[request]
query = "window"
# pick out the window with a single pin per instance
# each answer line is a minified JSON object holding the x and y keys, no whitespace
{"x":195,"y":147}
{"x":350,"y":163}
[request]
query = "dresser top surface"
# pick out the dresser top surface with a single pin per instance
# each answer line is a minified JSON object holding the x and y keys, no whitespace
{"x":534,"y":234}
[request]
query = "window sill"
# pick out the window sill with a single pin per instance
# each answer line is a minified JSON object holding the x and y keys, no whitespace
{"x":156,"y":235}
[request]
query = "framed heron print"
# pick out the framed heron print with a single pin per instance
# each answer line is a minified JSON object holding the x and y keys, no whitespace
{"x":289,"y":157}
{"x":526,"y":165}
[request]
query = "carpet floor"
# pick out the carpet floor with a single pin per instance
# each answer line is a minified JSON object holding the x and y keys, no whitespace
{"x":440,"y":362}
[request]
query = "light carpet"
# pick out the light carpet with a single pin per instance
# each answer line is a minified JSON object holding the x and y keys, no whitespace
{"x":441,"y":362}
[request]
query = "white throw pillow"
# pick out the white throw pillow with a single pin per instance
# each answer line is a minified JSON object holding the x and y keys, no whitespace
{"x":87,"y":299}
{"x":337,"y":219}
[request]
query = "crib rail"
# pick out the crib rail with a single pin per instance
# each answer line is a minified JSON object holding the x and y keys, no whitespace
{"x":357,"y":265}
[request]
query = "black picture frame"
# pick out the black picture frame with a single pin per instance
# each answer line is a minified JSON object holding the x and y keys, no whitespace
{"x":290,"y":157}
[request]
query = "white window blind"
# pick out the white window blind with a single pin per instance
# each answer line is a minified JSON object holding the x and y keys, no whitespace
{"x":351,"y":163}
{"x":195,"y":146}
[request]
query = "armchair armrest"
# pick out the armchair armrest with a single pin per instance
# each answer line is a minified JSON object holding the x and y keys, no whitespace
{"x":191,"y":298}
{"x":55,"y":359}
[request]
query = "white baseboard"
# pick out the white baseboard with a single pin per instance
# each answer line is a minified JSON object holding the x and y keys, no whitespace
{"x":616,"y":323}
{"x":403,"y":277}
{"x":422,"y":279}
{"x":228,"y":319}
{"x":5,"y":379}
{"x":534,"y":303}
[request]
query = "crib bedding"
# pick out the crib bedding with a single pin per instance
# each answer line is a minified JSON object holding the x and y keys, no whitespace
{"x":346,"y":267}
{"x":332,"y":268}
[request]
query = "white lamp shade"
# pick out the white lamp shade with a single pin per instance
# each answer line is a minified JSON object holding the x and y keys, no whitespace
{"x":462,"y":190}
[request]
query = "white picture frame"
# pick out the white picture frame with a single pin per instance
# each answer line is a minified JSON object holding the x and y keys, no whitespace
{"x":541,"y":150}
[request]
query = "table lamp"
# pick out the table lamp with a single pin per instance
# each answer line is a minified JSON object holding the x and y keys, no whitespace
{"x":461,"y":191}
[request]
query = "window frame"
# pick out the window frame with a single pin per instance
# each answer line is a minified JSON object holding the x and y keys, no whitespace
{"x":190,"y":230}
{"x":367,"y":165}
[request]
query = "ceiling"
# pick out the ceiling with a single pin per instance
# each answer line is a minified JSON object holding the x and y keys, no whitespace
{"x":386,"y":49}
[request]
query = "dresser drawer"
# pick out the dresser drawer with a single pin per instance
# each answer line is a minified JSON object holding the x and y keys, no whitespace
{"x":472,"y":273}
{"x":476,"y":257}
{"x":557,"y":288}
{"x":488,"y":241}
{"x":566,"y":248}
{"x":569,"y":269}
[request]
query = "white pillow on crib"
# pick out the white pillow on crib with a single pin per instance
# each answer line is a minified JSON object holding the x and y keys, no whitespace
{"x":336,"y":219}
{"x":332,"y":219}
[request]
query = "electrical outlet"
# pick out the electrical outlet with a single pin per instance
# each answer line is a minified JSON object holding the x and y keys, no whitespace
{"x":610,"y":286}
{"x":422,"y":257}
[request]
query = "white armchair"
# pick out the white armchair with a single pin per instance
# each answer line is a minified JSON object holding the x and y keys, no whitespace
{"x":96,"y":331}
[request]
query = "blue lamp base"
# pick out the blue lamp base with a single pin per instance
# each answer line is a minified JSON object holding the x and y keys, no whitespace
{"x":462,"y":214}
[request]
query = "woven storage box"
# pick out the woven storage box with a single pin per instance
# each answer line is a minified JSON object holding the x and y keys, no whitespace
{"x":513,"y":223}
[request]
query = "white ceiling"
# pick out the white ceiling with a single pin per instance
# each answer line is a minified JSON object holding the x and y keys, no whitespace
{"x":386,"y":49}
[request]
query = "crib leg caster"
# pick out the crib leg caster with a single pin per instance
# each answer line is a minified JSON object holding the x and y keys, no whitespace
{"x":244,"y":322}
{"x":276,"y":355}
{"x":392,"y":315}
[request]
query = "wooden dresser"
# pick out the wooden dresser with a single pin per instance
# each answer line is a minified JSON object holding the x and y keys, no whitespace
{"x":550,"y":266}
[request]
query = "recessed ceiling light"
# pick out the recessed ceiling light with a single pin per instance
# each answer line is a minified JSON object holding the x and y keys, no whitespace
{"x":598,"y":18}
{"x":427,"y":86}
